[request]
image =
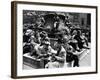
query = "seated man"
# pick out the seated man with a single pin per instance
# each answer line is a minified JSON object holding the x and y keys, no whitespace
{"x":73,"y":42}
{"x":26,"y":41}
{"x":43,"y":37}
{"x":84,"y":40}
{"x":70,"y":57}
{"x":79,"y":40}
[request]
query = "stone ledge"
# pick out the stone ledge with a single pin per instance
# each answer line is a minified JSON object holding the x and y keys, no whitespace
{"x":32,"y":61}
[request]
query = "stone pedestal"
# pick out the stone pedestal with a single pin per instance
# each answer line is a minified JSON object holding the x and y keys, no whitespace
{"x":32,"y":61}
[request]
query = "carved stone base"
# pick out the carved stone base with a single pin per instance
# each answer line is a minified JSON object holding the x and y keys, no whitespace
{"x":32,"y":61}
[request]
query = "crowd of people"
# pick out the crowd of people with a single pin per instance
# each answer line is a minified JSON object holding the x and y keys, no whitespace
{"x":55,"y":52}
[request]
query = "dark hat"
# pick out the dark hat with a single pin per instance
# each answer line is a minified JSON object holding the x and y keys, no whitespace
{"x":69,"y":48}
{"x":60,"y":41}
{"x":43,"y":33}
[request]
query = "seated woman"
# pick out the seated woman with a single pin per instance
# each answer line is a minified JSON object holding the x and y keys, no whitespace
{"x":57,"y":60}
{"x":53,"y":63}
{"x":61,"y":54}
{"x":43,"y":52}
